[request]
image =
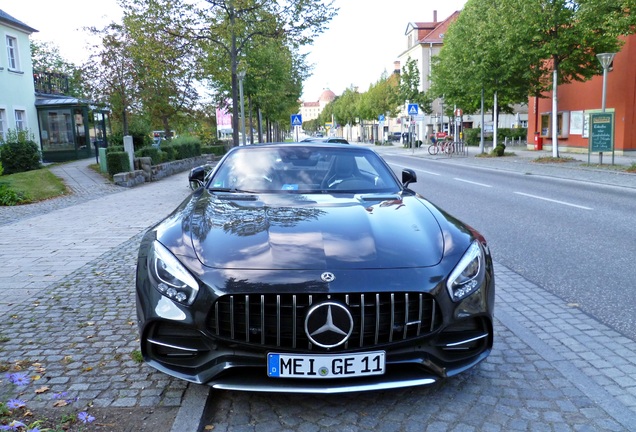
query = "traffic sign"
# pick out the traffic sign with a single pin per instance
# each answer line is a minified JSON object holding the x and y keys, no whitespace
{"x":296,"y":119}
{"x":381,"y":118}
{"x":413,"y":109}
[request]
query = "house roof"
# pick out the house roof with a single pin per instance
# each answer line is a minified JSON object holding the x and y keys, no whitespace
{"x":9,"y":20}
{"x":432,"y":32}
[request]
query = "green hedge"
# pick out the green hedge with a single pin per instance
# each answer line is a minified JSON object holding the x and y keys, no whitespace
{"x":217,"y":150}
{"x":472,"y":136}
{"x":117,"y":162}
{"x":152,"y":152}
{"x":115,"y":148}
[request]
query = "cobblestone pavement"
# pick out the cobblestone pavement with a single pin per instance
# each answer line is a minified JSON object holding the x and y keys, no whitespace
{"x":67,"y":314}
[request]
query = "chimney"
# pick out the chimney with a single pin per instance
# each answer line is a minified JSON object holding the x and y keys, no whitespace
{"x":434,"y":16}
{"x":396,"y":67}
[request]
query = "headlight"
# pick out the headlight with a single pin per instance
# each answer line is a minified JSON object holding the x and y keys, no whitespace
{"x":169,"y":276}
{"x":467,"y":276}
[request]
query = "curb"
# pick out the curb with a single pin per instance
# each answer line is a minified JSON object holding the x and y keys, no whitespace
{"x":190,"y":414}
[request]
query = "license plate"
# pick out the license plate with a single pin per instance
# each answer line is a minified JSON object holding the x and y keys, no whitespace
{"x":325,"y":365}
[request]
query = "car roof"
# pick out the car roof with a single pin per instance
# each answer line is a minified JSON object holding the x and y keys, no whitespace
{"x":326,"y":139}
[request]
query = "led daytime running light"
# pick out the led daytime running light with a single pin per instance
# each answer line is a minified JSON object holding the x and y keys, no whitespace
{"x":464,"y":279}
{"x":172,"y":279}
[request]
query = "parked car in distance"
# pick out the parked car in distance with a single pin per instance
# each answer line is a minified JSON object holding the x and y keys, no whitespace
{"x":395,"y":136}
{"x":312,"y":268}
{"x":325,"y":140}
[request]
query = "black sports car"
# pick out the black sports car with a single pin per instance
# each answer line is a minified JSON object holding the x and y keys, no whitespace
{"x":312,"y":268}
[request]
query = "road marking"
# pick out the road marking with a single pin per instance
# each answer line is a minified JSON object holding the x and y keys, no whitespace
{"x":554,"y":201}
{"x":429,"y":172}
{"x":472,"y":182}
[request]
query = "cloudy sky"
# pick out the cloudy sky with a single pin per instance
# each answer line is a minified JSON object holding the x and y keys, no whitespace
{"x":361,"y":43}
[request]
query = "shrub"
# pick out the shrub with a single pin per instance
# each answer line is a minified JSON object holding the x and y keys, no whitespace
{"x":117,"y":162}
{"x":1,"y":169}
{"x":499,"y":150}
{"x":114,"y":148}
{"x":152,"y":152}
{"x":19,"y":153}
{"x":168,"y":153}
{"x":186,"y":146}
{"x":217,"y":150}
{"x":472,"y":136}
{"x":9,"y":197}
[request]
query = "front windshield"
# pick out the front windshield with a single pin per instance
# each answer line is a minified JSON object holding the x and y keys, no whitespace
{"x":303,"y":169}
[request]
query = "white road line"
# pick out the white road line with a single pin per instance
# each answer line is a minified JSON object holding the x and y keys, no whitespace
{"x":472,"y":182}
{"x":416,"y":170}
{"x":554,"y":201}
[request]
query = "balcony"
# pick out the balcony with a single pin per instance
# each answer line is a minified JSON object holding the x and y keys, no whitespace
{"x":50,"y":83}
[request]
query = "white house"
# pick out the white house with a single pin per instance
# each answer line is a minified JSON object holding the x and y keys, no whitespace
{"x":17,"y":91}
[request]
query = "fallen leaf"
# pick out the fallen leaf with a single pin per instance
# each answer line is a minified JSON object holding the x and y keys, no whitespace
{"x":60,"y":403}
{"x":42,"y":389}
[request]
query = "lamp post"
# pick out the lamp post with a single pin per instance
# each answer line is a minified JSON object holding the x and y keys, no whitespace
{"x":606,"y":60}
{"x":241,"y":76}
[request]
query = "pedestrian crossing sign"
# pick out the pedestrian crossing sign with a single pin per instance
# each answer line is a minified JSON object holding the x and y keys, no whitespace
{"x":297,"y":120}
{"x":413,"y":109}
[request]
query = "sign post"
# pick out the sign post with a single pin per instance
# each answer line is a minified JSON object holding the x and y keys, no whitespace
{"x":413,"y":110}
{"x":601,"y":133}
{"x":296,"y":121}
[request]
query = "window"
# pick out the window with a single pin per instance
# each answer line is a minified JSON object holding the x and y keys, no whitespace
{"x":20,"y":120}
{"x":563,"y":125}
{"x":12,"y":53}
{"x":3,"y":125}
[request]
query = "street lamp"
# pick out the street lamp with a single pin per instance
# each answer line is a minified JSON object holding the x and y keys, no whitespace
{"x":606,"y":60}
{"x":241,"y":76}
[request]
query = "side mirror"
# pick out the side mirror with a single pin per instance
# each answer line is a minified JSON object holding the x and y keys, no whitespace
{"x":196,"y":177}
{"x":408,"y":177}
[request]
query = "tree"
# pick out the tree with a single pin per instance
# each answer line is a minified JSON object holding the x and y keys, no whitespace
{"x":410,"y":80}
{"x":484,"y":58}
{"x":111,"y":72}
{"x":228,"y":28}
{"x":165,"y":65}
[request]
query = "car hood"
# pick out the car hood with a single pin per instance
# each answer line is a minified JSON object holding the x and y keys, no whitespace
{"x":297,"y":232}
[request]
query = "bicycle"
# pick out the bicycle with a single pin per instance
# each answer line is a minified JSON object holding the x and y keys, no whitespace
{"x":434,"y":148}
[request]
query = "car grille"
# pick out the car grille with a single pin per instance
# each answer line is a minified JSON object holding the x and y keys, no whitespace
{"x":278,"y":320}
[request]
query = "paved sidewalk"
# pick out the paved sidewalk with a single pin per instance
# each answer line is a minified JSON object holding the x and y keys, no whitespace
{"x":67,"y":304}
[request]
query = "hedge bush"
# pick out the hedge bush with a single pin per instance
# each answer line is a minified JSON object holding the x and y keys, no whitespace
{"x":217,"y":150}
{"x":117,"y":162}
{"x":19,"y":153}
{"x":499,"y":150}
{"x":152,"y":152}
{"x":168,"y":153}
{"x":115,"y":148}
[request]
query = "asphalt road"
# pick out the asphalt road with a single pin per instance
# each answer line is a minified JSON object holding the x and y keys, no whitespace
{"x":575,"y":238}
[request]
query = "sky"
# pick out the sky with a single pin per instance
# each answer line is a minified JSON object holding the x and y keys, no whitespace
{"x":361,"y":42}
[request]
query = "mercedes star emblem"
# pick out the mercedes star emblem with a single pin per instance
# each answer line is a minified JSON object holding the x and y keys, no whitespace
{"x":328,"y":324}
{"x":328,"y":277}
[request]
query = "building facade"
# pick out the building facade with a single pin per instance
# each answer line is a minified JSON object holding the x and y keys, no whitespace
{"x":311,"y":110}
{"x":577,"y":100}
{"x":65,"y":128}
{"x":17,"y":91}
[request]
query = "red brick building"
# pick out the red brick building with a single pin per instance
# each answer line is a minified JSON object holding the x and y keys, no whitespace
{"x":578,"y":98}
